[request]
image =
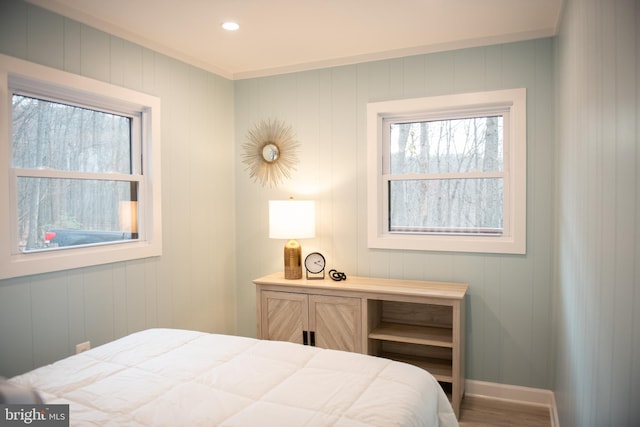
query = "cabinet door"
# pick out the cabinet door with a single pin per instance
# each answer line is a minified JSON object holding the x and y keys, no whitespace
{"x":284,"y":316}
{"x":336,"y":322}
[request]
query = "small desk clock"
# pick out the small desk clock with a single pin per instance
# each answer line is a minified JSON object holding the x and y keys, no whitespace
{"x":315,"y":263}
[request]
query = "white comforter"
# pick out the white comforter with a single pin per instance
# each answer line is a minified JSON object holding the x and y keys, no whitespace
{"x":168,"y":377}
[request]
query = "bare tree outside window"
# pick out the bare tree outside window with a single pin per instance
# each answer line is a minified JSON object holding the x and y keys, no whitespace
{"x":448,"y":172}
{"x":442,"y":176}
{"x":74,"y":172}
{"x":81,"y":163}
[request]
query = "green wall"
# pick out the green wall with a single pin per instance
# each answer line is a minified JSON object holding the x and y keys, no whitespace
{"x":509,"y":329}
{"x":597,"y":294}
{"x":215,"y":217}
{"x":43,"y":317}
{"x":564,"y":316}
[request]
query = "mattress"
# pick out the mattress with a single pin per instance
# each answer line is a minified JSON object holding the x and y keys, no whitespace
{"x":169,"y":377}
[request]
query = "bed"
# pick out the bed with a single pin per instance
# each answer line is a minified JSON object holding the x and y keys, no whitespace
{"x":170,"y":377}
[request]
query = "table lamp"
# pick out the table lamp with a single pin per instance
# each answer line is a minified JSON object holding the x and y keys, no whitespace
{"x":292,"y":219}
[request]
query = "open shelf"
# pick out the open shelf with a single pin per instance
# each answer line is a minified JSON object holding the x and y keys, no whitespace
{"x":423,"y":333}
{"x":414,"y":334}
{"x":439,"y":368}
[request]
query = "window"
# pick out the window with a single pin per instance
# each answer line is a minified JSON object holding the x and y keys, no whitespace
{"x":82,"y":170}
{"x":448,"y":173}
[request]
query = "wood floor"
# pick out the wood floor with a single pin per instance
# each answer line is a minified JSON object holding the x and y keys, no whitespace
{"x":482,"y":411}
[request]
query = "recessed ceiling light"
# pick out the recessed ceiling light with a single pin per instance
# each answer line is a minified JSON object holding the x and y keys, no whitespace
{"x":230,"y":26}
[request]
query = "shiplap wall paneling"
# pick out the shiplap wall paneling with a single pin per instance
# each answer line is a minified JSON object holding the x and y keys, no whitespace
{"x":598,"y":306}
{"x":45,"y":32}
{"x":343,"y":168}
{"x":510,"y":296}
{"x":193,"y":284}
{"x":16,"y":352}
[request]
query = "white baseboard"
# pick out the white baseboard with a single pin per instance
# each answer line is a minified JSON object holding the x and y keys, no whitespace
{"x":514,"y":393}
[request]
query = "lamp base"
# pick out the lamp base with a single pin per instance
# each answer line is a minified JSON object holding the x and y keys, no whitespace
{"x":292,"y":260}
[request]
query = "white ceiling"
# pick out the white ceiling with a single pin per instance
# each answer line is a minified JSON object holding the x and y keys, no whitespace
{"x":278,"y":36}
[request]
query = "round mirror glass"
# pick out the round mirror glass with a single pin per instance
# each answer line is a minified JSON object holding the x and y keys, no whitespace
{"x":270,"y":153}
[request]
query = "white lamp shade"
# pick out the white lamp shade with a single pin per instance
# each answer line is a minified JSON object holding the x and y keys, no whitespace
{"x":292,"y":219}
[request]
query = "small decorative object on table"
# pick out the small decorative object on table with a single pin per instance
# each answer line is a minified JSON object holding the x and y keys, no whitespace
{"x":337,"y":276}
{"x":314,"y":263}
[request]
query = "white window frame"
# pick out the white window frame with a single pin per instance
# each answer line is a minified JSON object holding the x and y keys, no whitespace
{"x":513,"y":103}
{"x":20,"y":75}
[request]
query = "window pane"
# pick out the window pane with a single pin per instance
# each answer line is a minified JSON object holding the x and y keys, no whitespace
{"x":70,"y":212}
{"x":446,"y":206}
{"x":447,"y":146}
{"x":51,"y":135}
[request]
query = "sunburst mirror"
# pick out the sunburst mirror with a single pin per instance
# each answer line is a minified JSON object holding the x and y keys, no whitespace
{"x":270,"y":152}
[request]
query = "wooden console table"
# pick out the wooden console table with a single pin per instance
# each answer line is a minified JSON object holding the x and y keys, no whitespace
{"x":417,"y":322}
